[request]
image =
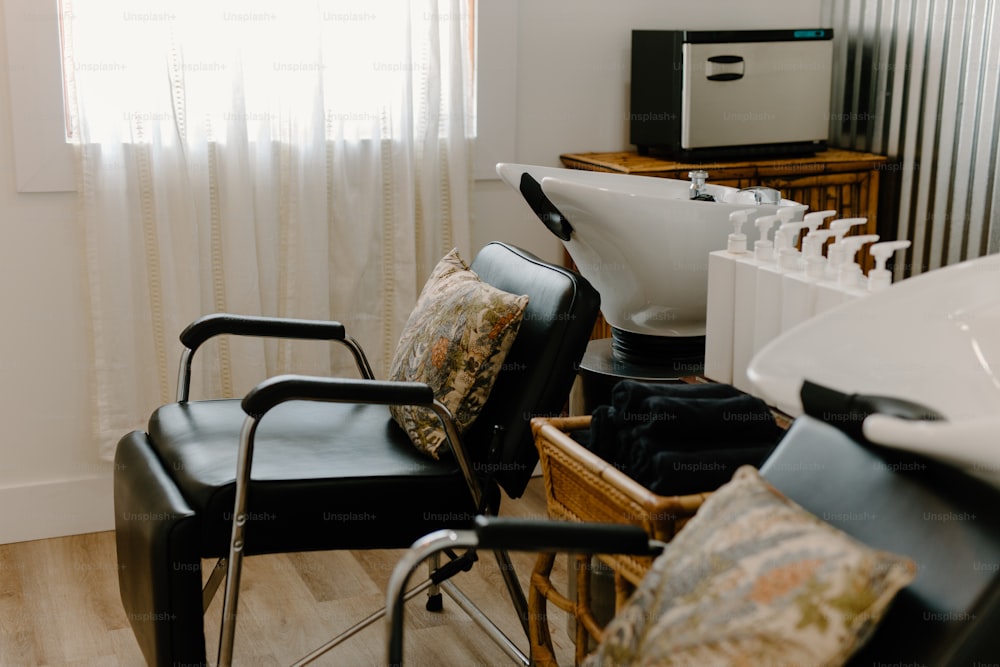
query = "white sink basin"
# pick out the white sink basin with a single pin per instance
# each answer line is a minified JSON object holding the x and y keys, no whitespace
{"x":641,"y":241}
{"x":933,"y":339}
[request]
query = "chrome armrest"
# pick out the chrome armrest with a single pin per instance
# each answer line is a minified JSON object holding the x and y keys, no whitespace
{"x":217,"y":324}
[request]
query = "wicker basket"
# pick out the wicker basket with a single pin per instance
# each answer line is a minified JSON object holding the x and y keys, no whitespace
{"x":580,"y":486}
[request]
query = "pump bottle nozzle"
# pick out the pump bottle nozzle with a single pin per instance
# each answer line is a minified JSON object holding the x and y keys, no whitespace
{"x":788,"y":214}
{"x":737,"y":242}
{"x":791,"y":212}
{"x":841,"y":226}
{"x":784,"y":244}
{"x":815,"y":219}
{"x":880,"y":278}
{"x":836,"y":252}
{"x":850,"y":272}
{"x":812,"y":251}
{"x":812,"y":244}
{"x":763,"y":248}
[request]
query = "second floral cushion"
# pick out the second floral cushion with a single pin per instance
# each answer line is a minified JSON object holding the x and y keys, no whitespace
{"x":754,"y":579}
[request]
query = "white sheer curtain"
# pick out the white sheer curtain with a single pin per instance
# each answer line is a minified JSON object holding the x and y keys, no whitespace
{"x":300,"y":159}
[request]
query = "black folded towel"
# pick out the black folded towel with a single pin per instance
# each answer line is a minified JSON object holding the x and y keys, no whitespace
{"x":628,"y":392}
{"x":682,"y":438}
{"x":691,"y":424}
{"x":669,"y":473}
{"x":626,"y":410}
{"x":603,"y":439}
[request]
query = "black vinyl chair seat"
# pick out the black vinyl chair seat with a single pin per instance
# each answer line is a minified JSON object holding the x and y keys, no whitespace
{"x":313,"y":473}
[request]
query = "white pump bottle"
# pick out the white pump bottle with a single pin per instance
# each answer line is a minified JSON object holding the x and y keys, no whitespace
{"x":719,"y":315}
{"x":798,"y":299}
{"x":767,"y":322}
{"x":745,"y":301}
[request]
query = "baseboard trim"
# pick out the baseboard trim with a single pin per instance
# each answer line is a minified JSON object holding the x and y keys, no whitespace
{"x":56,"y":509}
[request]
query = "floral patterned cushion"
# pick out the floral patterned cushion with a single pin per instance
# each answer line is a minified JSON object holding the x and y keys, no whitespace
{"x":456,"y":340}
{"x":754,"y":579}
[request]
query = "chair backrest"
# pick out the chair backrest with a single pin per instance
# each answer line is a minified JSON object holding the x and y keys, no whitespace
{"x":540,"y":368}
{"x":945,"y":520}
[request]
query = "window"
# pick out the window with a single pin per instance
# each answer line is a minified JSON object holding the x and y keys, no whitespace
{"x":44,"y":160}
{"x":267,"y":65}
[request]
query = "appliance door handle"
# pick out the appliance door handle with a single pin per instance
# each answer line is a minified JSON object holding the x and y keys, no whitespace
{"x":724,"y":68}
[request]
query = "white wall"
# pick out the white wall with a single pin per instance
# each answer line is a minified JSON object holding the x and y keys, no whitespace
{"x":572,"y":75}
{"x":566,"y":73}
{"x":51,"y":481}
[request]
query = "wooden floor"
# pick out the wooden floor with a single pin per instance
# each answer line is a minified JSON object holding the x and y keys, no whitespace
{"x":59,"y":605}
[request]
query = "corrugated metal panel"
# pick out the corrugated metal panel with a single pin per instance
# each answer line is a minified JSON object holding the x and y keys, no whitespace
{"x":918,"y":81}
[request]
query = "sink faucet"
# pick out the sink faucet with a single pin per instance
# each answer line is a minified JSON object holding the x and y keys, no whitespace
{"x":698,"y":178}
{"x":762,"y":195}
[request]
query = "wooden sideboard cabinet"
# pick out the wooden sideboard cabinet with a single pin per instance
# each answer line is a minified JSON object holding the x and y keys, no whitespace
{"x":835,"y":179}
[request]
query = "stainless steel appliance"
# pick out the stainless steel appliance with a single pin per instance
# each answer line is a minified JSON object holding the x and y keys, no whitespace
{"x":705,"y":94}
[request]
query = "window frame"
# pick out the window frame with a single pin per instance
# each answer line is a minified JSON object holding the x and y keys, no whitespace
{"x":43,"y":160}
{"x":496,"y":86}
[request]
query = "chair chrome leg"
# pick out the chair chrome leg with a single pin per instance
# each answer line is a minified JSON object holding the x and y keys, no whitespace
{"x":435,"y":601}
{"x":358,"y":627}
{"x":422,"y":549}
{"x":513,"y":588}
{"x":484,"y":622}
{"x":212,"y":585}
{"x":230,"y":596}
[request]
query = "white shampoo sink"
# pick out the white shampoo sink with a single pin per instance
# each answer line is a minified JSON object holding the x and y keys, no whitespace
{"x":933,"y":339}
{"x":641,"y":241}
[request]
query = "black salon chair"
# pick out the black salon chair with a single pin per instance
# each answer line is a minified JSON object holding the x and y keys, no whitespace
{"x":324,"y":447}
{"x":945,"y":520}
